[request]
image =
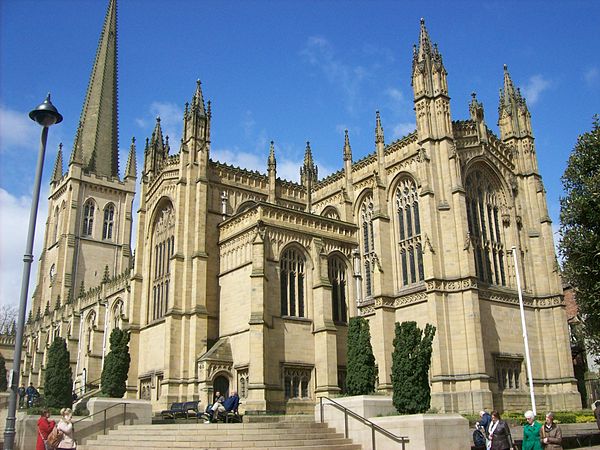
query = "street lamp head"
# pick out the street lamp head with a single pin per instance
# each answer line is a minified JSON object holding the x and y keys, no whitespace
{"x":46,"y":113}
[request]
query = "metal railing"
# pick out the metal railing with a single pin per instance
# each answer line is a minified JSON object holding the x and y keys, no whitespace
{"x":104,"y":412}
{"x":89,"y":386}
{"x":374,"y":427}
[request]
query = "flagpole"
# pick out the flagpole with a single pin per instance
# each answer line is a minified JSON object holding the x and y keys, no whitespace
{"x":522,"y":309}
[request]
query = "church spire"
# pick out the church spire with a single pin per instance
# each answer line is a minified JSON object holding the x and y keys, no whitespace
{"x":198,"y":100}
{"x":98,"y":133}
{"x":271,"y":162}
{"x":58,"y":165}
{"x":131,"y":167}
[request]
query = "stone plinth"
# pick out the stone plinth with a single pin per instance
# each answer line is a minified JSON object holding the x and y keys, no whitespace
{"x":424,"y":431}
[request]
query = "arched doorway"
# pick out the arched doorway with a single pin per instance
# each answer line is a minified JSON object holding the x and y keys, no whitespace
{"x":221,"y":384}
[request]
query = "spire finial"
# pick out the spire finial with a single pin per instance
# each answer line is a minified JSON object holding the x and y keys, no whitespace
{"x":379,"y":138}
{"x":347,"y":149}
{"x":271,"y":162}
{"x":198,"y":100}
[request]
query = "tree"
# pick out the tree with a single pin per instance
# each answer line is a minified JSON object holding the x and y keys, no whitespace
{"x":58,"y":381}
{"x":580,"y":231}
{"x":361,"y":372}
{"x":3,"y":380}
{"x":116,"y":365}
{"x":8,"y":315}
{"x":410,"y":367}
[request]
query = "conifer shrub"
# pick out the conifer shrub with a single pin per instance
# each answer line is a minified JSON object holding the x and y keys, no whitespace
{"x":410,"y":367}
{"x":3,"y":380}
{"x":361,"y":371}
{"x":58,"y":380}
{"x":116,"y":365}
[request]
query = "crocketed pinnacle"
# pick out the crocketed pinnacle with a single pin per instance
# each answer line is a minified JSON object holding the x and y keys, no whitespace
{"x":58,"y":165}
{"x":475,"y":108}
{"x":77,"y":153}
{"x":131,"y":166}
{"x":510,"y":98}
{"x":198,"y":100}
{"x":271,"y":162}
{"x":379,"y":138}
{"x":308,"y":172}
{"x":157,"y":141}
{"x":98,"y":133}
{"x":426,"y":55}
{"x":347,"y":149}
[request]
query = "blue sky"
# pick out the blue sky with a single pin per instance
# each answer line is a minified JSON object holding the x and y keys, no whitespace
{"x":288,"y":71}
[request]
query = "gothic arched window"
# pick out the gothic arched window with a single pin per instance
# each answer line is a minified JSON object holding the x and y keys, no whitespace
{"x":337,"y":278}
{"x":163,"y":249}
{"x":88,"y":218}
{"x":292,"y":267}
{"x":409,"y":233}
{"x":484,"y":204}
{"x":107,"y":227}
{"x":368,"y":242}
{"x":56,"y":228}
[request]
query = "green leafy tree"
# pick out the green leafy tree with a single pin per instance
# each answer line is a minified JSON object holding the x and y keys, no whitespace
{"x":3,"y":381}
{"x":580,"y":231}
{"x":410,"y":367}
{"x":58,"y":381}
{"x":116,"y":365}
{"x":361,"y":372}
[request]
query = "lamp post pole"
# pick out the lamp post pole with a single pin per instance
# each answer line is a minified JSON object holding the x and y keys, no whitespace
{"x":45,"y":115}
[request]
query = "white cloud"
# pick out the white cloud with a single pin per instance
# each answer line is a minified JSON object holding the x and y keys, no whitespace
{"x":171,"y":117}
{"x":14,"y":222}
{"x":402,"y":129}
{"x":17,"y":130}
{"x":395,"y":94}
{"x":591,"y":75}
{"x":534,"y":88}
{"x":320,"y":53}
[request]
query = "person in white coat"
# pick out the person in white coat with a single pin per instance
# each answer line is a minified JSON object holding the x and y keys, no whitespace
{"x":65,"y":425}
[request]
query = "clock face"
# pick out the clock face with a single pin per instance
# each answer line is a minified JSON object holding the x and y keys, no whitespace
{"x":52,"y":272}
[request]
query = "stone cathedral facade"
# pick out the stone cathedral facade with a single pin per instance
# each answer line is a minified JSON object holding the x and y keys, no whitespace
{"x":242,"y":280}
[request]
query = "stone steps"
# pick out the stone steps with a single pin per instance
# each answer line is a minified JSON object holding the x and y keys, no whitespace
{"x":280,"y":435}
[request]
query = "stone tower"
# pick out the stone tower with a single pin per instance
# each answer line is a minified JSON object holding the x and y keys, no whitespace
{"x":88,"y":230}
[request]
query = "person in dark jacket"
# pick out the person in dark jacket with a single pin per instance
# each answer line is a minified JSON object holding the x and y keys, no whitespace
{"x":597,"y":412}
{"x":484,"y":420}
{"x":499,"y":433}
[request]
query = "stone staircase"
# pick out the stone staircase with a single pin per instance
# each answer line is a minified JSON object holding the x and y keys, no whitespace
{"x":263,"y":434}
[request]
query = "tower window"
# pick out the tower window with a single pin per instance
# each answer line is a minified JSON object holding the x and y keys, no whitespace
{"x":292,"y":283}
{"x":337,"y":278}
{"x":410,"y":254}
{"x":483,"y":205}
{"x":107,"y":227}
{"x":88,"y":218}
{"x":162,"y":249}
{"x":368,"y":244}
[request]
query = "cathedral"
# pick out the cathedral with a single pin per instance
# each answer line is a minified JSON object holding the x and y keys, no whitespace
{"x":245,"y":281}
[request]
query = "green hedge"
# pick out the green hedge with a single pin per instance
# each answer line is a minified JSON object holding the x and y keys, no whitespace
{"x":516,"y":418}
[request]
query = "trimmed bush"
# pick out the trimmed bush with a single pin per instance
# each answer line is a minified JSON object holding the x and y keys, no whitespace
{"x":3,"y":380}
{"x":410,"y":367}
{"x":58,"y":382}
{"x":361,"y":373}
{"x":116,"y":365}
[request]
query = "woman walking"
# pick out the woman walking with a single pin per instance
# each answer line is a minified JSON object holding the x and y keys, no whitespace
{"x":44,"y":427}
{"x":65,"y":425}
{"x":499,"y":433}
{"x":531,"y":433}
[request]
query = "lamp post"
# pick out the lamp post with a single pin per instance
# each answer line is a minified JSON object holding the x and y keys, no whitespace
{"x":46,"y":115}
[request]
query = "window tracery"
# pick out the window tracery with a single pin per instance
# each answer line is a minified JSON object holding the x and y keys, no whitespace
{"x":88,"y":218}
{"x":337,"y":278}
{"x":292,"y":278}
{"x":107,"y":227}
{"x":368,"y":243}
{"x":409,"y":233}
{"x":484,"y":205}
{"x":163,"y":250}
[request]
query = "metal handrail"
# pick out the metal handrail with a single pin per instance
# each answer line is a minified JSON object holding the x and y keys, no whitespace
{"x":374,"y":427}
{"x":81,"y":390}
{"x":104,"y":411}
